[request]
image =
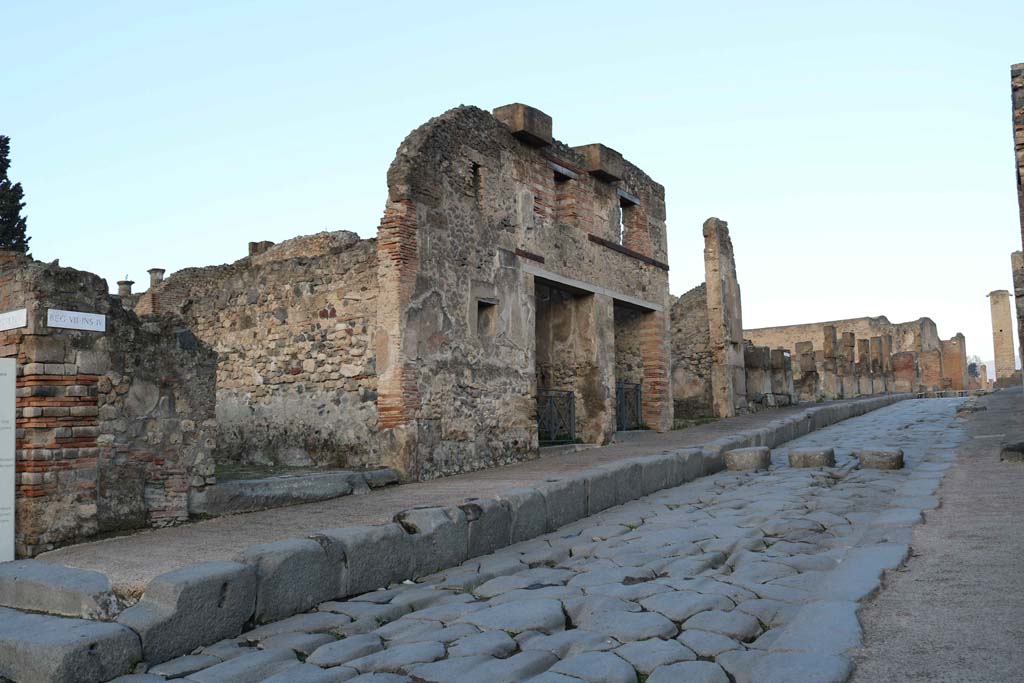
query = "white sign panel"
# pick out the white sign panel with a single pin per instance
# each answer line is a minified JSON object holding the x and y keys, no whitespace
{"x":12,"y":320}
{"x":8,"y":369}
{"x":74,"y":320}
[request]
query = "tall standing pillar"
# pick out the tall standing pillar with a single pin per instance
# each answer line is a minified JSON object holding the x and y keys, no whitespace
{"x":725,"y":321}
{"x":1002,"y":332}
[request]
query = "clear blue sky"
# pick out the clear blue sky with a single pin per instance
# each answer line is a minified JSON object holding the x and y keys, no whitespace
{"x":861,"y":152}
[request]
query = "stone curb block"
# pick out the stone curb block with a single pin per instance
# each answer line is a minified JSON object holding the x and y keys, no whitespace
{"x":490,"y":525}
{"x":39,"y":648}
{"x":292,"y":576}
{"x":565,"y":500}
{"x":529,"y":518}
{"x":600,"y":486}
{"x":657,"y":472}
{"x":367,"y":557}
{"x":55,"y":589}
{"x":192,"y":606}
{"x":439,"y":538}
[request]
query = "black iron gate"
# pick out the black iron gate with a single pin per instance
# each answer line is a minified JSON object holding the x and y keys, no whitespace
{"x":556,"y":416}
{"x":627,"y":406}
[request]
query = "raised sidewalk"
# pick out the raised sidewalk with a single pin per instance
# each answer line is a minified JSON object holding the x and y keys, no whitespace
{"x":132,"y":561}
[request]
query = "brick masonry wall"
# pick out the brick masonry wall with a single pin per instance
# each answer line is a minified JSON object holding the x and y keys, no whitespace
{"x":294,"y":328}
{"x":114,"y":429}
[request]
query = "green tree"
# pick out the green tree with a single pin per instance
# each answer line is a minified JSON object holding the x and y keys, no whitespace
{"x":13,"y":227}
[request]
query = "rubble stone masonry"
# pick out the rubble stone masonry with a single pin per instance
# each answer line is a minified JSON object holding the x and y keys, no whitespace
{"x":1017,"y":106}
{"x":114,"y":428}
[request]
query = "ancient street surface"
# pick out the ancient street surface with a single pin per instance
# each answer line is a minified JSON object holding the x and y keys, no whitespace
{"x":132,"y":561}
{"x":756,"y":576}
{"x":954,"y":612}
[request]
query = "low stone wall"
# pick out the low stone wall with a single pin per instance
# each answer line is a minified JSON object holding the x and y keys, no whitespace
{"x":201,"y":604}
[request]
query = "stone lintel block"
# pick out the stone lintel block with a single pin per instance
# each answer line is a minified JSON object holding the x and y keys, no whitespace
{"x":368,"y":557}
{"x":530,"y":125}
{"x":440,"y":537}
{"x":292,"y":576}
{"x":529,"y":516}
{"x":753,"y":458}
{"x":490,"y":525}
{"x":55,"y":589}
{"x":192,"y":606}
{"x":880,"y":459}
{"x":812,"y":457}
{"x":565,"y":500}
{"x":39,"y":648}
{"x":602,"y":162}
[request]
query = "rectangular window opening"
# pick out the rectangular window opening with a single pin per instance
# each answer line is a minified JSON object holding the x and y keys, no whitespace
{"x":486,"y":317}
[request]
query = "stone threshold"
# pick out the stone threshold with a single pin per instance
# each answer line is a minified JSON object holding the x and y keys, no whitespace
{"x":249,"y":495}
{"x":72,"y":614}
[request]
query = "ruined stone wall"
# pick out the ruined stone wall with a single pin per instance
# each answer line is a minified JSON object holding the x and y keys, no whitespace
{"x":725,"y":318}
{"x":629,"y":360}
{"x":692,"y":357}
{"x":1017,"y":107}
{"x":293,"y":327}
{"x":916,"y":335}
{"x":954,"y":363}
{"x":479,"y":211}
{"x":1017,"y":266}
{"x":114,"y":428}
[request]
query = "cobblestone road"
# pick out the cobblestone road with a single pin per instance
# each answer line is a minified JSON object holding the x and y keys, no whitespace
{"x":756,"y":576}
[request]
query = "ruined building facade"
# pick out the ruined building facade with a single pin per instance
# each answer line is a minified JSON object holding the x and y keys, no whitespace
{"x":1017,"y":258}
{"x":511,"y":274}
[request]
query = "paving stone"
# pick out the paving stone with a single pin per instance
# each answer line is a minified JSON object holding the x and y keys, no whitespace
{"x":292,"y":576}
{"x":183,"y":666}
{"x":629,"y":626}
{"x":859,"y":576}
{"x":545,"y":616}
{"x":596,"y":667}
{"x":341,"y":651}
{"x":691,"y":672}
{"x":313,"y":622}
{"x":37,"y":586}
{"x":826,"y":627}
{"x":300,"y":643}
{"x":567,"y":643}
{"x":374,"y":556}
{"x":761,"y":572}
{"x":681,"y":605}
{"x":225,"y":650}
{"x":38,"y":647}
{"x":772,"y":613}
{"x":549,"y":677}
{"x":806,"y":667}
{"x":738,"y":625}
{"x":554,"y":592}
{"x":358,"y":610}
{"x":633,"y":593}
{"x":307,"y":673}
{"x":448,"y":611}
{"x":706,"y":644}
{"x":381,"y":678}
{"x":448,"y":634}
{"x":648,"y":655}
{"x":739,"y":664}
{"x":254,"y":666}
{"x":407,"y":628}
{"x":192,"y":606}
{"x":397,"y":658}
{"x":898,"y":517}
{"x":516,"y":668}
{"x":489,"y":643}
{"x":581,"y":608}
{"x":451,"y":670}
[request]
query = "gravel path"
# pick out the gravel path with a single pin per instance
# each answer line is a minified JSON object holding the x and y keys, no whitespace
{"x":755,"y":576}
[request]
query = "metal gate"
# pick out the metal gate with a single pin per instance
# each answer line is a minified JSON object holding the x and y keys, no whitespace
{"x":556,"y":416}
{"x":627,"y":406}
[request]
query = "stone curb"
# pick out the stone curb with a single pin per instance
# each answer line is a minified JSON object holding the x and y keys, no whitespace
{"x":276,"y":580}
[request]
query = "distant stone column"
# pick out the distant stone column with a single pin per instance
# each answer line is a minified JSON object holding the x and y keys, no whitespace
{"x":725,"y":321}
{"x":1017,"y":264}
{"x":954,"y":362}
{"x":1002,"y":332}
